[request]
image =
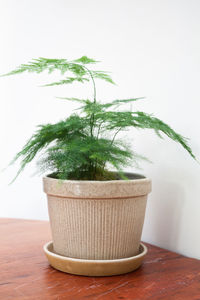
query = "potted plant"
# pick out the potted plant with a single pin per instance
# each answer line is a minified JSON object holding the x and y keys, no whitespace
{"x":96,"y":210}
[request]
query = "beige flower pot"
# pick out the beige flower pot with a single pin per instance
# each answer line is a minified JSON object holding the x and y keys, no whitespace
{"x":99,"y":220}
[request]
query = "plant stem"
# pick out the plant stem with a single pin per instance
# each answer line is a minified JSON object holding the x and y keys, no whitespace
{"x":113,"y":141}
{"x":115,"y":135}
{"x":93,"y":82}
{"x":94,"y":87}
{"x":99,"y":129}
{"x":94,"y":100}
{"x":92,"y":167}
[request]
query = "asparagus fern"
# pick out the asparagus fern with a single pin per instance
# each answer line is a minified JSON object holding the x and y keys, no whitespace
{"x":79,"y":147}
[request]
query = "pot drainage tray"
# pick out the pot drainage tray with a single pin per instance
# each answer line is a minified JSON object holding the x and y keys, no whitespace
{"x":91,"y":267}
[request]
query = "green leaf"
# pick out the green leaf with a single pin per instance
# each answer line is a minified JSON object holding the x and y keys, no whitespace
{"x":120,"y":102}
{"x":102,"y":75}
{"x":143,"y":120}
{"x":67,"y":130}
{"x":77,"y":69}
{"x":67,"y":81}
{"x":73,"y":99}
{"x":124,"y":101}
{"x":86,"y":60}
{"x":41,"y":64}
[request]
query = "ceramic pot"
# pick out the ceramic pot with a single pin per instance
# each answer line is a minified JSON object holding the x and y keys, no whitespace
{"x":100,"y":220}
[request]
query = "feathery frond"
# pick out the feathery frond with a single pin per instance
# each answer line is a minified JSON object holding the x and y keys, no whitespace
{"x":102,"y":75}
{"x":86,"y":60}
{"x":67,"y":81}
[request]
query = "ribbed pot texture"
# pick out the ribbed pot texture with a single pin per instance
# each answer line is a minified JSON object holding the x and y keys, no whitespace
{"x":97,"y":219}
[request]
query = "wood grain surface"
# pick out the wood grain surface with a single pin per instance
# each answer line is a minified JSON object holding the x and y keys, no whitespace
{"x":26,"y":274}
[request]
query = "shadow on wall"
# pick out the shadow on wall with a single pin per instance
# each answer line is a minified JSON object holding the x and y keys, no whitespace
{"x":164,"y":213}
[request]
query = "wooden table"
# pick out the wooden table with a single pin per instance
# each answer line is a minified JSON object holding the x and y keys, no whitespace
{"x":26,"y":274}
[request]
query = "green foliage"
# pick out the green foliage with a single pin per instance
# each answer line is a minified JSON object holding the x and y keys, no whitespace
{"x":84,"y":145}
{"x":102,"y":75}
{"x":76,"y":68}
{"x":85,"y":60}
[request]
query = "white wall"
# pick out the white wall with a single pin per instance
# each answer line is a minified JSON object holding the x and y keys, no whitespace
{"x":152,"y":48}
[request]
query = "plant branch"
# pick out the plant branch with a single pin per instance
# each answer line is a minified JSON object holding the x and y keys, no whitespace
{"x":115,"y":136}
{"x":94,"y":99}
{"x":99,"y":129}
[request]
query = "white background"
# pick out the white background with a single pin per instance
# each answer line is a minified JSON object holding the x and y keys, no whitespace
{"x":153,"y":50}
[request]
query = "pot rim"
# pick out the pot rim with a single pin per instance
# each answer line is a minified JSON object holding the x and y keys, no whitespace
{"x":138,"y":177}
{"x":92,"y":189}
